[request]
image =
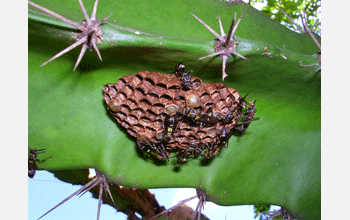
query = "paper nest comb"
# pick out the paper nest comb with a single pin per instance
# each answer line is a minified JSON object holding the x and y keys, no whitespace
{"x":166,"y":115}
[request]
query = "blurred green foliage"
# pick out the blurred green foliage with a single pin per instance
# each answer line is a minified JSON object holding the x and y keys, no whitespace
{"x":293,"y":9}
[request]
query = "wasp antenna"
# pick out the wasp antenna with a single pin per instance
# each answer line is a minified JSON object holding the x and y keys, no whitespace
{"x":245,"y":95}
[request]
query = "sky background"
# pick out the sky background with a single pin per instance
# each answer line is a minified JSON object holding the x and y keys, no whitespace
{"x":45,"y":191}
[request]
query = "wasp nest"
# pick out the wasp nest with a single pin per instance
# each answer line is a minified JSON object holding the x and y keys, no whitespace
{"x":177,"y":113}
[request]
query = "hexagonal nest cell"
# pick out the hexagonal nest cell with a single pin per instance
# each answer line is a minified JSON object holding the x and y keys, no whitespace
{"x":171,"y":113}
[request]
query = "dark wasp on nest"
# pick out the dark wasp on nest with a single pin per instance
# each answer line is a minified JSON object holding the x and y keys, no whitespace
{"x":205,"y":119}
{"x":191,"y":151}
{"x":184,"y":76}
{"x":151,"y":149}
{"x":247,"y":115}
{"x":177,"y":113}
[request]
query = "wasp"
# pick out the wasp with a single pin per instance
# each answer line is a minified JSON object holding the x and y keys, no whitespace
{"x":196,"y":116}
{"x":225,"y":118}
{"x":161,"y":153}
{"x":191,"y":114}
{"x":207,"y":118}
{"x":32,"y":161}
{"x":162,"y":137}
{"x":190,"y":151}
{"x":234,"y":113}
{"x":212,"y":118}
{"x":170,"y":123}
{"x":145,"y":145}
{"x":211,"y":150}
{"x":243,"y":101}
{"x":185,"y":76}
{"x":247,"y":116}
{"x":149,"y":148}
{"x":224,"y":136}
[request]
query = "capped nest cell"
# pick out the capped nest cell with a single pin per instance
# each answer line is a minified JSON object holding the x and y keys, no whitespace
{"x":177,"y":113}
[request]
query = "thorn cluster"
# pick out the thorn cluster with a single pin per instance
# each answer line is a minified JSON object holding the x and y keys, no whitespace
{"x":101,"y":180}
{"x":306,"y":30}
{"x":196,"y":214}
{"x":89,"y":31}
{"x":282,"y":212}
{"x":200,"y":206}
{"x":225,"y":45}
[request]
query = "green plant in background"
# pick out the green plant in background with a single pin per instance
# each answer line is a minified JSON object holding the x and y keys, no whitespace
{"x":293,"y":9}
{"x":260,"y":211}
{"x":276,"y":161}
